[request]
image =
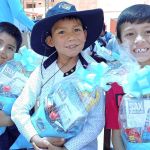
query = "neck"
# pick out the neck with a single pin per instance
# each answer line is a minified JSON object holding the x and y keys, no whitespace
{"x":66,"y":64}
{"x":145,"y":63}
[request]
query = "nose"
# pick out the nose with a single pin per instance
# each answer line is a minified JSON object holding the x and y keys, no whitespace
{"x":71,"y":36}
{"x":3,"y":51}
{"x":139,"y":39}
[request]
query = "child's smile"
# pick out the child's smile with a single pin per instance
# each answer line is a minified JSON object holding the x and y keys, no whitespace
{"x":68,"y":37}
{"x":137,"y":36}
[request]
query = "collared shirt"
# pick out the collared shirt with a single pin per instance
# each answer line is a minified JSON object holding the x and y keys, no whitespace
{"x":86,"y":139}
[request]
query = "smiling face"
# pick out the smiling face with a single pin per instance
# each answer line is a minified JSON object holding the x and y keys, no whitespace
{"x":137,"y":37}
{"x":68,"y":37}
{"x":7,"y":47}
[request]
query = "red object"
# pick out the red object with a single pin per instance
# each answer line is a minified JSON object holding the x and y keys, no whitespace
{"x":6,"y":88}
{"x":113,"y":99}
{"x":53,"y":115}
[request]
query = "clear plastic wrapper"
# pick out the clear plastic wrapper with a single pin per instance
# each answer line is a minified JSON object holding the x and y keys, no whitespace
{"x":120,"y":69}
{"x":12,"y":80}
{"x":134,"y":118}
{"x":13,"y":76}
{"x":64,"y":111}
{"x":28,"y":58}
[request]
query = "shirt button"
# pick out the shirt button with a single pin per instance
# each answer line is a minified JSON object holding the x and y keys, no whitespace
{"x":66,"y":74}
{"x":72,"y":70}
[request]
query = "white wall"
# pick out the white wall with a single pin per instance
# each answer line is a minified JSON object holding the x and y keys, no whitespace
{"x":112,"y":8}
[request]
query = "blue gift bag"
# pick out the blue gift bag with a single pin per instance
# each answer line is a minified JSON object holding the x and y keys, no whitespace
{"x":135,"y":146}
{"x":6,"y":105}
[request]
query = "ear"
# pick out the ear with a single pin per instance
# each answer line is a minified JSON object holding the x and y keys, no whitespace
{"x":49,"y":41}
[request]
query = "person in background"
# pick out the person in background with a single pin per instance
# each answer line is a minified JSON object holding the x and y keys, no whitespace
{"x":65,"y":34}
{"x":10,"y":42}
{"x":13,"y":9}
{"x":133,"y":30}
{"x":105,"y":35}
{"x":113,"y":45}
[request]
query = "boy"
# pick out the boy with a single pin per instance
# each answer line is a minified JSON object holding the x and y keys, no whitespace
{"x":133,"y":30}
{"x":10,"y":42}
{"x":61,"y":36}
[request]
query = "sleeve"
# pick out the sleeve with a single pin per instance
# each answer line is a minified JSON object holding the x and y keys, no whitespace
{"x":92,"y":128}
{"x":24,"y":103}
{"x":18,"y":12}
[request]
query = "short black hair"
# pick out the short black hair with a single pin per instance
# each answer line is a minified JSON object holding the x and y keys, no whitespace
{"x":138,"y":13}
{"x":13,"y":31}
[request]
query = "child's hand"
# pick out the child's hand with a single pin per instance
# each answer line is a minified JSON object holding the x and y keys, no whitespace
{"x":46,"y":142}
{"x":55,"y":141}
{"x":50,"y":147}
{"x":56,"y":148}
{"x":5,"y":120}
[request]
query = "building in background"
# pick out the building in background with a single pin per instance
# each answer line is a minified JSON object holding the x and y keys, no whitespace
{"x":36,"y":8}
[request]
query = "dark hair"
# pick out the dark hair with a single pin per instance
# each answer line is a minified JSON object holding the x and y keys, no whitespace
{"x":104,"y":27}
{"x":138,"y":13}
{"x":13,"y":31}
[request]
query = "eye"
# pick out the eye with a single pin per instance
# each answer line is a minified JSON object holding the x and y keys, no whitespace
{"x":61,"y":32}
{"x":77,"y":29}
{"x":129,"y":34}
{"x":10,"y":49}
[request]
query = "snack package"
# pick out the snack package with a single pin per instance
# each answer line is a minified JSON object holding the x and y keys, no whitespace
{"x":64,"y":110}
{"x":13,"y":76}
{"x":12,"y":81}
{"x":134,"y":117}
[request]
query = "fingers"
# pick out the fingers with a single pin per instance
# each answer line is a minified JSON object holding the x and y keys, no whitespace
{"x":56,"y":141}
{"x":36,"y":147}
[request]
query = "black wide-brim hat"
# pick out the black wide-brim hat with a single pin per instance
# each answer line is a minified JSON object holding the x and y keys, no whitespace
{"x":92,"y":19}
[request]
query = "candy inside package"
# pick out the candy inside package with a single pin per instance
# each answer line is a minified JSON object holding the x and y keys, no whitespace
{"x":134,"y":117}
{"x":12,"y":80}
{"x":64,"y":111}
{"x":13,"y":76}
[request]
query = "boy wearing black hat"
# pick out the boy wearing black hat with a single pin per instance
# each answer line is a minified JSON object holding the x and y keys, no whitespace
{"x":61,"y":36}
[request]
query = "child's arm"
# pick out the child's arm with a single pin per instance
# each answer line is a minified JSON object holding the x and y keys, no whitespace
{"x":92,"y":128}
{"x":5,"y":120}
{"x":24,"y":103}
{"x":117,"y":140}
{"x":20,"y":111}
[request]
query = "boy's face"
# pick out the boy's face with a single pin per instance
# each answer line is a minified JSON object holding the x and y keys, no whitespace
{"x":7,"y":47}
{"x":137,"y":38}
{"x":68,"y":37}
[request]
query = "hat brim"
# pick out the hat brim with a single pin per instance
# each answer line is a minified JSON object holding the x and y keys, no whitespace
{"x":92,"y":19}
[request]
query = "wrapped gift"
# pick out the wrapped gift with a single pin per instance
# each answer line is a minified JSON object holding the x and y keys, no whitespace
{"x":134,"y":115}
{"x":64,"y":111}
